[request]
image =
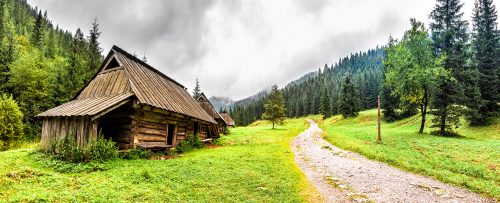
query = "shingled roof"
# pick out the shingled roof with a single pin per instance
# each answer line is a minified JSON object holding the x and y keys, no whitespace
{"x":125,"y":75}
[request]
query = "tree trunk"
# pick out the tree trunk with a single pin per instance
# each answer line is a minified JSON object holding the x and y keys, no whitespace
{"x":423,"y":111}
{"x":273,"y":125}
{"x":442,"y":125}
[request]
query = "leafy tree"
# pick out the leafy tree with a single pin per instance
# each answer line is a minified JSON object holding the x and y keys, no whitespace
{"x":11,"y":126}
{"x":486,"y":45}
{"x":197,"y":90}
{"x":412,"y":69}
{"x":326,"y":103}
{"x":275,"y":107}
{"x":450,"y":38}
{"x":349,"y":101}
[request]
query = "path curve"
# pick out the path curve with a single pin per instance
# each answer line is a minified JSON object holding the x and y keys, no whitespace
{"x":343,"y":176}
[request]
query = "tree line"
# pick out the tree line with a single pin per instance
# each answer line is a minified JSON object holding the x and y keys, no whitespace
{"x":41,"y":64}
{"x":449,"y":71}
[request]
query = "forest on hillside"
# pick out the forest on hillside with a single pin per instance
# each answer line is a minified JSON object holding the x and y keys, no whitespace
{"x":41,"y":66}
{"x":448,"y":69}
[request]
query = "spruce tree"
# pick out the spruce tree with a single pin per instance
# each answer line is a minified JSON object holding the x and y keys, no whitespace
{"x":486,"y":45}
{"x":95,"y":57}
{"x":449,"y":37}
{"x":197,"y":90}
{"x":275,"y":107}
{"x":326,"y":103}
{"x":388,"y":102}
{"x":38,"y":31}
{"x":349,"y":104}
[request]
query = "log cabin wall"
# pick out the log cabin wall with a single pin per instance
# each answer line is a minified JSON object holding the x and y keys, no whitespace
{"x":150,"y":127}
{"x":55,"y":128}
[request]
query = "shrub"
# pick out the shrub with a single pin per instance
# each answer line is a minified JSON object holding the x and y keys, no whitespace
{"x":67,"y":149}
{"x":191,"y":142}
{"x":136,"y":153}
{"x":11,"y":125}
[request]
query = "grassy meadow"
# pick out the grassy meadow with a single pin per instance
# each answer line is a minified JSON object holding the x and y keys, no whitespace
{"x":253,"y":164}
{"x":471,"y":160}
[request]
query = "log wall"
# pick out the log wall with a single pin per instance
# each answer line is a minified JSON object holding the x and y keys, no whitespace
{"x":82,"y":128}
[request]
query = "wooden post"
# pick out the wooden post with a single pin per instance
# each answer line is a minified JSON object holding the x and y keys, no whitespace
{"x":379,"y":139}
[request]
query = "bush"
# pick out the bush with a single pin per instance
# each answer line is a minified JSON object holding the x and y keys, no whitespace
{"x":11,"y":125}
{"x":99,"y":150}
{"x":191,"y":142}
{"x":136,"y":153}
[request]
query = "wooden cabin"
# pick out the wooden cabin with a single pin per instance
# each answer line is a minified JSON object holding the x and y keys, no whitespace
{"x":210,"y":109}
{"x":133,"y":104}
{"x":227,"y":118}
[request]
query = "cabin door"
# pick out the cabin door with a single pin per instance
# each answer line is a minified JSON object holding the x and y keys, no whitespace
{"x":171,"y":128}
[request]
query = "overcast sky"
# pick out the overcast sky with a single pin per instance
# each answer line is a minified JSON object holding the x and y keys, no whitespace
{"x":237,"y":48}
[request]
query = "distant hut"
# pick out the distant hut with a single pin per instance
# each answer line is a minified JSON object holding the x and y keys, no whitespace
{"x":133,"y":104}
{"x":227,"y":118}
{"x":210,"y":109}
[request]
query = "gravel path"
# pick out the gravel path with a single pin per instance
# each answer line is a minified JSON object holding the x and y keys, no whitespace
{"x":343,"y":176}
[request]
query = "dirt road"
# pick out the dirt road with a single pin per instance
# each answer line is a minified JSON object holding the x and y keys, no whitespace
{"x":343,"y":176}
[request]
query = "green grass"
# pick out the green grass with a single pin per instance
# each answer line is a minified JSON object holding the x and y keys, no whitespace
{"x":254,"y":164}
{"x":471,"y":160}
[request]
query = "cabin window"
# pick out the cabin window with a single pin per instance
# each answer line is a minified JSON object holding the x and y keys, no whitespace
{"x":170,"y":134}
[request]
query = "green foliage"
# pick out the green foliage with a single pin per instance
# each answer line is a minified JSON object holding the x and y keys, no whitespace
{"x":189,"y":144}
{"x":275,"y":107}
{"x":136,"y":153}
{"x":412,"y":69}
{"x":67,"y":149}
{"x":450,"y":39}
{"x":348,"y":101}
{"x":486,"y":43}
{"x":197,"y":90}
{"x":11,"y":126}
{"x":326,"y":103}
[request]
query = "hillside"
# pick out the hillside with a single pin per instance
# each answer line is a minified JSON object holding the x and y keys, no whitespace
{"x":302,"y":97}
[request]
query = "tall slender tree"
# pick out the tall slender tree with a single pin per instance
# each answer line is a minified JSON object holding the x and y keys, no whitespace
{"x":450,"y":38}
{"x":95,"y":56}
{"x":326,"y":103}
{"x":197,"y":90}
{"x":486,"y":45}
{"x":38,"y":31}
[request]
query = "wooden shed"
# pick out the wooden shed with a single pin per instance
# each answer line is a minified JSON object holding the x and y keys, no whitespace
{"x":133,"y":104}
{"x":227,"y":118}
{"x":210,"y":109}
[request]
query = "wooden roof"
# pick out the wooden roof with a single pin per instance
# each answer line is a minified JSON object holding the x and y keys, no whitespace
{"x":86,"y":107}
{"x":227,"y":118}
{"x":131,"y":75}
{"x":208,"y":107}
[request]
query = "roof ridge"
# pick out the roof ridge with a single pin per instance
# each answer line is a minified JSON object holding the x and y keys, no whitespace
{"x":135,"y":59}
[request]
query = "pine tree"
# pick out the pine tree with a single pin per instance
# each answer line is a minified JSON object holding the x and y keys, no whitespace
{"x":449,"y":37}
{"x":197,"y":90}
{"x":388,"y":102}
{"x":275,"y":107}
{"x":95,"y":57}
{"x":38,"y":31}
{"x":349,"y":104}
{"x":326,"y":103}
{"x":486,"y":45}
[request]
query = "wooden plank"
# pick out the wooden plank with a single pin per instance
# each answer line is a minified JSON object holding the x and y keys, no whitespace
{"x":153,"y":145}
{"x":150,"y":138}
{"x":152,"y":131}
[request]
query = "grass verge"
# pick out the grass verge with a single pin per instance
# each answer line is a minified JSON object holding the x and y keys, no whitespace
{"x":471,"y":160}
{"x":254,"y":164}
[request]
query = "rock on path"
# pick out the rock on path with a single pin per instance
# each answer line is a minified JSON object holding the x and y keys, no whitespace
{"x":343,"y":176}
